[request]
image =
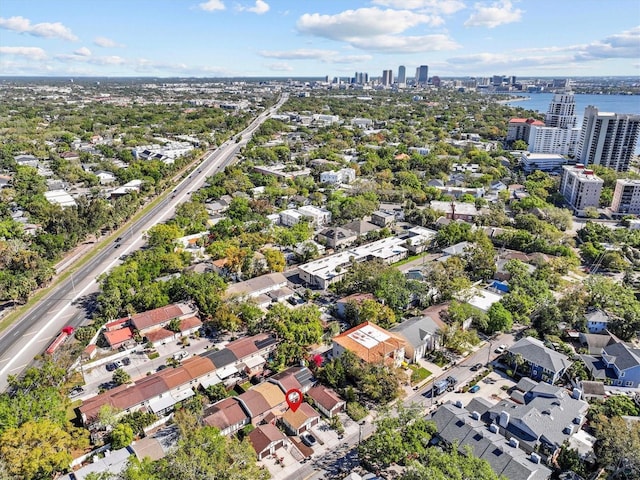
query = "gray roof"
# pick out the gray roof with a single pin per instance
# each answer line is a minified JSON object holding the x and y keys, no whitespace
{"x":596,"y":342}
{"x":597,"y":316}
{"x":456,"y":424}
{"x":416,"y":329}
{"x":623,"y":356}
{"x":525,"y":384}
{"x":456,"y":249}
{"x":534,"y":351}
{"x":547,"y":412}
{"x":221,"y":358}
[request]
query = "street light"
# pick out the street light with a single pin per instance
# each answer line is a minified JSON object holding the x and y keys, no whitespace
{"x":360,"y":425}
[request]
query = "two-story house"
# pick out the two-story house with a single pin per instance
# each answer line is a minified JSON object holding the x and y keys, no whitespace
{"x":539,"y":362}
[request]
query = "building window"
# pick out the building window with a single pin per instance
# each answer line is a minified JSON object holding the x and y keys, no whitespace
{"x":628,"y":384}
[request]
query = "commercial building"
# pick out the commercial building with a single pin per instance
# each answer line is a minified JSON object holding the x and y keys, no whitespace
{"x":626,"y":197}
{"x":545,"y":162}
{"x":580,"y":187}
{"x":402,"y":74}
{"x":422,"y":74}
{"x":608,"y":139}
{"x":387,"y":77}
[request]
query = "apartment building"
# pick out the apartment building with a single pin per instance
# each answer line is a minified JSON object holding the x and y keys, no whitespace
{"x":580,"y":187}
{"x":608,"y":139}
{"x":626,"y":197}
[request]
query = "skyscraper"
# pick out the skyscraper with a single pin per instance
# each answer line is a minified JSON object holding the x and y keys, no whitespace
{"x":423,"y":74}
{"x":608,"y":139}
{"x":561,"y":112}
{"x":402,"y":74}
{"x":387,"y":77}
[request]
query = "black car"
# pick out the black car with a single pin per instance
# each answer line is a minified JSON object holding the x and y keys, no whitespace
{"x":118,"y":239}
{"x":75,"y":391}
{"x":107,"y":385}
{"x":126,"y":361}
{"x":117,"y":245}
{"x":308,"y":439}
{"x":476,"y":367}
{"x":111,"y":367}
{"x":162,"y":367}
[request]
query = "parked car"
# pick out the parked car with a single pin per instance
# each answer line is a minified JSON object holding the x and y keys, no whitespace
{"x":308,"y":439}
{"x":118,"y":364}
{"x":162,"y":367}
{"x":501,"y":349}
{"x":107,"y":385}
{"x":75,"y":391}
{"x":111,"y":367}
{"x":476,"y":367}
{"x":474,"y":389}
{"x":126,"y":361}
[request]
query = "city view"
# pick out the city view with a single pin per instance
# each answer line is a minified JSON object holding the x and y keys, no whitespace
{"x":359,"y":240}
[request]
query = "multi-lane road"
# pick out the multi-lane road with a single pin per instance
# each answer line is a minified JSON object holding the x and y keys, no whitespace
{"x":32,"y":333}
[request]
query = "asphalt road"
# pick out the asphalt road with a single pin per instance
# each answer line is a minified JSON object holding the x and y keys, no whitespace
{"x":36,"y":329}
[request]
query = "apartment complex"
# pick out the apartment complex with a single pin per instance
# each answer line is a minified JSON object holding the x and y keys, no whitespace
{"x":580,"y":187}
{"x":608,"y":139}
{"x":626,"y":197}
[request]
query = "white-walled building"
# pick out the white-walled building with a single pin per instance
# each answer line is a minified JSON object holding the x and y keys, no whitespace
{"x":320,"y":217}
{"x":580,"y":187}
{"x":545,"y":162}
{"x":290,"y":217}
{"x":344,"y":175}
{"x":626,"y":197}
{"x":563,"y":141}
{"x":608,"y":139}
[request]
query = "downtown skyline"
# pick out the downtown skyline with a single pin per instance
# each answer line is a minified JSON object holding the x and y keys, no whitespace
{"x":279,"y":38}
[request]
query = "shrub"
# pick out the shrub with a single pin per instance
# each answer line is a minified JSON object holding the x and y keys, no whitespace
{"x":356,"y":411}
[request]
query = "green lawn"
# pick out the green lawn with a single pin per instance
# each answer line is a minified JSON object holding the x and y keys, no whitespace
{"x":418,"y":374}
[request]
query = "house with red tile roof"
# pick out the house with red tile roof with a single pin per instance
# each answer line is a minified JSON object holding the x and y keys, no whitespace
{"x":370,"y":343}
{"x":326,"y":401}
{"x":301,"y":420}
{"x":119,"y":338}
{"x":160,"y":317}
{"x":266,"y":439}
{"x":294,"y":377}
{"x":227,"y":415}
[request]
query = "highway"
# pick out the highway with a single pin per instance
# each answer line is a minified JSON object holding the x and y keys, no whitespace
{"x":36,"y":329}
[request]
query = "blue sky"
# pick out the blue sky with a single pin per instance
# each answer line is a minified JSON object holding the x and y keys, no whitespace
{"x":293,"y":38}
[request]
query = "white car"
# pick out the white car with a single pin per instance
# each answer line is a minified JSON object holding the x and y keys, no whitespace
{"x":501,"y":349}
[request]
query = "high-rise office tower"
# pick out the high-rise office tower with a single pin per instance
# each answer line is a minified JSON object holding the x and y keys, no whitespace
{"x":561,"y":112}
{"x":608,"y":139}
{"x":387,"y":77}
{"x":422,"y":74}
{"x":402,"y":74}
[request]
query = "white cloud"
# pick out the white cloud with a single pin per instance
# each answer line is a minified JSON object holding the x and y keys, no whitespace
{"x":83,"y":58}
{"x":211,"y":5}
{"x":325,"y":56}
{"x":407,"y":44}
{"x":621,"y":45}
{"x":377,"y":30}
{"x":493,"y":15}
{"x":48,"y":30}
{"x":34,"y":53}
{"x":361,"y":23}
{"x":300,"y":54}
{"x":279,"y":67}
{"x":83,"y":52}
{"x":105,"y":42}
{"x":261,"y":7}
{"x":444,"y":7}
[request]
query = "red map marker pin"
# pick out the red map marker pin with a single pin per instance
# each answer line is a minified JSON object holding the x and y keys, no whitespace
{"x":294,"y":398}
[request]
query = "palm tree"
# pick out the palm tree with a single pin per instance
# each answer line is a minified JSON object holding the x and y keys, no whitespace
{"x":517,"y":361}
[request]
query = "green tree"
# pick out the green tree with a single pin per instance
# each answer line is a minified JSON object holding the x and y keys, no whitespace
{"x":500,"y":319}
{"x":121,"y":436}
{"x":36,"y":450}
{"x":275,"y":260}
{"x":618,"y":445}
{"x":436,"y":464}
{"x":121,"y":377}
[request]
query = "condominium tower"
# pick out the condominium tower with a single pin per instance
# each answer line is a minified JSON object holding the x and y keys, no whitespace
{"x":608,"y":139}
{"x":580,"y":187}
